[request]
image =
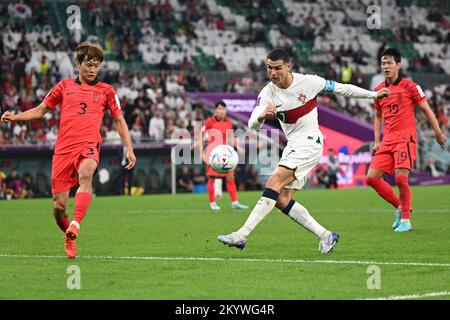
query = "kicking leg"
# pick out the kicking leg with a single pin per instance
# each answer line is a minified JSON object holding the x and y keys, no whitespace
{"x":83,"y":196}
{"x":382,"y":187}
{"x":385,"y":191}
{"x":60,"y":201}
{"x":300,"y":214}
{"x":279,"y":178}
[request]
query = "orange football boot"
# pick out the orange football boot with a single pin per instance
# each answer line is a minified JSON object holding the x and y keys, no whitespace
{"x":71,"y":247}
{"x":72,"y":232}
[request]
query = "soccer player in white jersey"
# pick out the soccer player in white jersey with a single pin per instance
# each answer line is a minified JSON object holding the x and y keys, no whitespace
{"x":291,"y":97}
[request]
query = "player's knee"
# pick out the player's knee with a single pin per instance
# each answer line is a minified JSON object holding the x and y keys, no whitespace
{"x":401,"y":180}
{"x":59,"y":207}
{"x":282,"y":202}
{"x":84,"y":179}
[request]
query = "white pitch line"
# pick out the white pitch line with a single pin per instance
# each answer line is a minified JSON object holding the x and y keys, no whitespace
{"x":295,"y":261}
{"x":412,"y":296}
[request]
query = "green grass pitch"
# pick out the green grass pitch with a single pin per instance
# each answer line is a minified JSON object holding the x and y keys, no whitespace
{"x":165,"y":247}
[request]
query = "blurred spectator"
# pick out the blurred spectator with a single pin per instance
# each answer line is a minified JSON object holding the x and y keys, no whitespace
{"x":169,"y":128}
{"x":197,"y":177}
{"x":184,"y":180}
{"x":112,"y":136}
{"x":136,"y":133}
{"x":220,"y":23}
{"x":252,"y":66}
{"x":333,"y":169}
{"x":252,"y":181}
{"x":52,"y":135}
{"x":432,"y":169}
{"x":346,"y":72}
{"x":321,"y":176}
{"x":14,"y":186}
{"x":2,"y":185}
{"x":220,"y":65}
{"x":156,"y":127}
{"x":126,"y":176}
{"x":27,"y":186}
{"x":43,"y":66}
{"x":20,"y":133}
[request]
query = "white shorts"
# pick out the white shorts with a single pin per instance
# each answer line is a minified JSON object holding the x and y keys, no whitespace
{"x":302,"y":156}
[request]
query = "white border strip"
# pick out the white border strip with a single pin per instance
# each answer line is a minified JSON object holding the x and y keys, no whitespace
{"x":413,"y":296}
{"x":295,"y":261}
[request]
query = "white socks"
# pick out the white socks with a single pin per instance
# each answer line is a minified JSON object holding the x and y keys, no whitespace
{"x":300,"y":214}
{"x":261,"y":210}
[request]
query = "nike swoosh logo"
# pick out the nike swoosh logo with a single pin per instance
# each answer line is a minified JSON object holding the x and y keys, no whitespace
{"x":278,"y":106}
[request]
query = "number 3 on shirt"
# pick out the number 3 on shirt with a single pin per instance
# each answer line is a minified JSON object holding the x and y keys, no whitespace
{"x":83,"y":108}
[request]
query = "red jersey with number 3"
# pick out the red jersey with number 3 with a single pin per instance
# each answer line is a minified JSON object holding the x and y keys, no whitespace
{"x":82,"y":107}
{"x":398,"y":110}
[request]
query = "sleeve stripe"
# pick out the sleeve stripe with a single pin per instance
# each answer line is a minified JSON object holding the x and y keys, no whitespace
{"x":117,"y":101}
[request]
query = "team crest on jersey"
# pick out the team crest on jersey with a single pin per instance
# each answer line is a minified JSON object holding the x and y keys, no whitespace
{"x":302,"y":98}
{"x":96,"y":96}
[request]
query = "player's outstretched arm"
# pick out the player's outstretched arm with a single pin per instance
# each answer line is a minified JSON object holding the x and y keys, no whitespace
{"x":352,"y":91}
{"x":440,"y":137}
{"x":32,"y":114}
{"x":122,"y":129}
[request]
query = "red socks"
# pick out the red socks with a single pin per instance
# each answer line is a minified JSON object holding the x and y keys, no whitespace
{"x":211,"y":194}
{"x":384,"y":190}
{"x":82,"y":201}
{"x":232,"y":190}
{"x":405,"y":195}
{"x":63,"y":224}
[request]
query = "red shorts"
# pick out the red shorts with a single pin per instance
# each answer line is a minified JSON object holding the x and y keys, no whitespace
{"x":211,"y":173}
{"x":394,"y":156}
{"x":65,"y":167}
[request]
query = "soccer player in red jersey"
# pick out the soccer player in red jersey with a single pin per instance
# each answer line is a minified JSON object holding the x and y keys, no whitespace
{"x":397,"y":152}
{"x":220,"y":131}
{"x":82,"y":103}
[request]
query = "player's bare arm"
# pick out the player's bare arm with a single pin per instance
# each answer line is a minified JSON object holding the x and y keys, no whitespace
{"x":440,"y":137}
{"x":200,"y":145}
{"x":377,"y":128}
{"x":122,"y":129}
{"x":270,"y":111}
{"x":32,"y":114}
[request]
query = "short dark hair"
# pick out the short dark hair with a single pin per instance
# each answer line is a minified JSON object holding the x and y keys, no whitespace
{"x":393,"y":52}
{"x":278,"y":54}
{"x":89,"y":51}
{"x":220,"y":103}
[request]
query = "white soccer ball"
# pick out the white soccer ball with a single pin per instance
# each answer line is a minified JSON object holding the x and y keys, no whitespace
{"x":223,"y":159}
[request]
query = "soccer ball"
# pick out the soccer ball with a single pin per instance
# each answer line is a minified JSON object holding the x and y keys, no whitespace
{"x":223,"y":159}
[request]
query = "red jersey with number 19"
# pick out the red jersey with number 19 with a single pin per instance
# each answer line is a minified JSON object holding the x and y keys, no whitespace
{"x":82,"y":107}
{"x":398,"y":110}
